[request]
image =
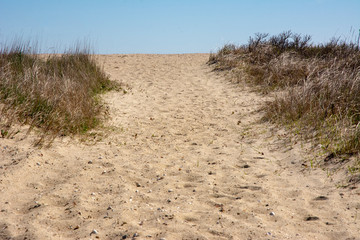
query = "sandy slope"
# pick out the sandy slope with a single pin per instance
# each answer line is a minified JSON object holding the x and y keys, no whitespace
{"x":187,"y":159}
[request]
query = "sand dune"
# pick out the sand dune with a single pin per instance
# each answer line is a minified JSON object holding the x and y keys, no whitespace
{"x":186,"y":157}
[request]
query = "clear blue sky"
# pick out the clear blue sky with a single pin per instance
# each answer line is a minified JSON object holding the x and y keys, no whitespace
{"x":170,"y":26}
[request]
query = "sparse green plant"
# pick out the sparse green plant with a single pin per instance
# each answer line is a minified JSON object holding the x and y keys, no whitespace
{"x":4,"y":133}
{"x":354,"y":168}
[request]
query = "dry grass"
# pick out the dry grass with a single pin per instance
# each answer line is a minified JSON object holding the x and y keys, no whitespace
{"x":57,"y":94}
{"x":317,"y":86}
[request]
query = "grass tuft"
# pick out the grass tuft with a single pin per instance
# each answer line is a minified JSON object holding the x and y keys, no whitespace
{"x":57,"y":93}
{"x":317,"y":86}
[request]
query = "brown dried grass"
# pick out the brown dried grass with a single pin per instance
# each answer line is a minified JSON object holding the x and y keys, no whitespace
{"x":317,"y":86}
{"x":57,"y":94}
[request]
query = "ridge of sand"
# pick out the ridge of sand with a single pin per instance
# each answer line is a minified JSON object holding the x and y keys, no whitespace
{"x":188,"y":159}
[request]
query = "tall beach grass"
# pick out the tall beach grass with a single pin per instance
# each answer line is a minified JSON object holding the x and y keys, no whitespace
{"x":317,"y":86}
{"x":57,"y":93}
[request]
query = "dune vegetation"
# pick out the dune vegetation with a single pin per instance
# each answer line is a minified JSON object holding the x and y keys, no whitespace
{"x":316,"y":86}
{"x":57,"y":94}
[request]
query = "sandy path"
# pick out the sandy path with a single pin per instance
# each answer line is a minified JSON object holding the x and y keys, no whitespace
{"x":187,"y":159}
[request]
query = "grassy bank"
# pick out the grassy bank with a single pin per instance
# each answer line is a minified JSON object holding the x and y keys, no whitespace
{"x":57,"y":94}
{"x":317,"y":86}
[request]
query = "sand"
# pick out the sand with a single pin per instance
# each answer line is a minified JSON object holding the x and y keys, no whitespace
{"x":185,"y":156}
